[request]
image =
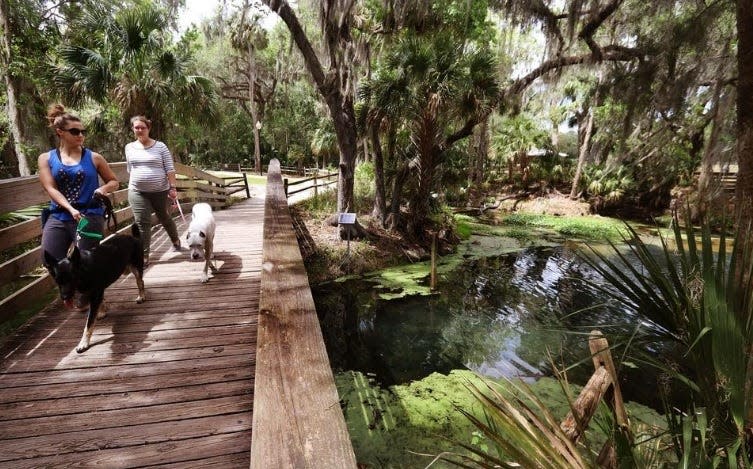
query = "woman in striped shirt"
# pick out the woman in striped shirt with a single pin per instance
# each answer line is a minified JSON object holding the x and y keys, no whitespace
{"x":151,"y":183}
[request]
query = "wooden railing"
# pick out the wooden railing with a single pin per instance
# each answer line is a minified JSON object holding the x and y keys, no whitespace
{"x":316,"y":181}
{"x":23,"y":282}
{"x":297,"y":420}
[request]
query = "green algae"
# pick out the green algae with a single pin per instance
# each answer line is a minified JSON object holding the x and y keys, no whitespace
{"x":407,"y":425}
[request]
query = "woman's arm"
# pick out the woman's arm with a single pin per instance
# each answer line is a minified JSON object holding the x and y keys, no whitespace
{"x":105,"y":172}
{"x":167,"y":162}
{"x":49,"y":185}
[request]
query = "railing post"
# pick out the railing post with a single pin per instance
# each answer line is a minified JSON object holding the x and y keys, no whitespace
{"x":285,"y":183}
{"x":316,"y":186}
{"x":245,"y":183}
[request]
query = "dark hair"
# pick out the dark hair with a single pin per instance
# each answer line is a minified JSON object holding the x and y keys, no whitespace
{"x":58,"y":118}
{"x":143,"y":119}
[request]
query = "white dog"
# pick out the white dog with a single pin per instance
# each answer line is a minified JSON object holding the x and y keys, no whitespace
{"x":200,"y":236}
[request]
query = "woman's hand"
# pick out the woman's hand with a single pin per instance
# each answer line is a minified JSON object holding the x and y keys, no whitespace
{"x":101,"y":191}
{"x":75,"y":214}
{"x":172,"y":193}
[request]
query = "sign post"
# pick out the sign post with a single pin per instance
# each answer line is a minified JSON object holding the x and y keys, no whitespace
{"x":346,"y":218}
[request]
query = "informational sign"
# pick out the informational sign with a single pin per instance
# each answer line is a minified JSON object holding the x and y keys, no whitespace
{"x":347,"y":218}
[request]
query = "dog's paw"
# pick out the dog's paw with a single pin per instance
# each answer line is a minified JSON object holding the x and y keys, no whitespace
{"x":140,"y":299}
{"x":204,"y":278}
{"x":82,"y":346}
{"x":101,"y":314}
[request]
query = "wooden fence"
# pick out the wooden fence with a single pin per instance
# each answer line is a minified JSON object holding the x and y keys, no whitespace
{"x":316,"y":181}
{"x":23,"y":283}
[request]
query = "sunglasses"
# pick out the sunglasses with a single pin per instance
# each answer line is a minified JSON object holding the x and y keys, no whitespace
{"x":75,"y":132}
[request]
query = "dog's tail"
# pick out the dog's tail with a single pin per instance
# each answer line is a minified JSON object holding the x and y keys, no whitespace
{"x":135,"y":231}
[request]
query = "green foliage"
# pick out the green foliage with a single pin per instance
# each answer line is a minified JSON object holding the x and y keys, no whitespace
{"x":581,"y":227}
{"x":363,"y":186}
{"x":125,"y":57}
{"x":320,"y":206}
{"x":698,"y":307}
{"x":610,"y":185}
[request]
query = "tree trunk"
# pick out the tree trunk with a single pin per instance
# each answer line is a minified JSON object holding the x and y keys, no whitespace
{"x":744,"y":188}
{"x":582,"y":154}
{"x":331,"y":87}
{"x":380,"y":207}
{"x":478,"y":154}
{"x":252,"y":101}
{"x":14,"y":120}
{"x":393,"y":219}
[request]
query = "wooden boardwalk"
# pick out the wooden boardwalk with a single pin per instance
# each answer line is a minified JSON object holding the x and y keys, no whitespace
{"x":166,"y":383}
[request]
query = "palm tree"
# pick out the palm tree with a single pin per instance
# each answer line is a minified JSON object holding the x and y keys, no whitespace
{"x":432,"y":84}
{"x":128,"y":60}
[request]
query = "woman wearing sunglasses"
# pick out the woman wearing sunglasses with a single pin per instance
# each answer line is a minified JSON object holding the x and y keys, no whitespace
{"x":151,"y":183}
{"x":71,"y":174}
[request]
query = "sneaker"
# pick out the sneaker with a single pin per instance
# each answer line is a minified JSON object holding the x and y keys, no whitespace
{"x":146,"y":261}
{"x":177,"y":247}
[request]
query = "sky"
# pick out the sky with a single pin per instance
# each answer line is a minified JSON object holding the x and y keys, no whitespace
{"x":195,"y":11}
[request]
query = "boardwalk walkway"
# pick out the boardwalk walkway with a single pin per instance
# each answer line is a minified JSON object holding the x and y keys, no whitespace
{"x":167,"y":383}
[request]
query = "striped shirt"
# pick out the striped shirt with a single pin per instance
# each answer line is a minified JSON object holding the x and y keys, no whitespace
{"x":148,"y":167}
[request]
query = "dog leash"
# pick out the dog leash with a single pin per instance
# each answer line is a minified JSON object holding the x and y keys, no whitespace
{"x":180,"y":209}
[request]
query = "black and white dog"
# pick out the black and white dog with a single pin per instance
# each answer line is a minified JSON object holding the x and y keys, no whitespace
{"x":91,"y":272}
{"x":200,"y":237}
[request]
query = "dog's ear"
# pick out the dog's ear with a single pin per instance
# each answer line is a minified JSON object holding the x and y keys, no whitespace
{"x":50,"y":262}
{"x":201,"y":233}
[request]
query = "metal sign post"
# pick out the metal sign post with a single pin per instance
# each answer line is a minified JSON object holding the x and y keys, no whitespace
{"x":346,"y":218}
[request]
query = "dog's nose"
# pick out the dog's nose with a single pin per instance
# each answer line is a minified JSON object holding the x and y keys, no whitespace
{"x":194,"y":256}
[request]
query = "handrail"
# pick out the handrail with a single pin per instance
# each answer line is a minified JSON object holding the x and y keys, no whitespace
{"x":194,"y":185}
{"x":297,"y":420}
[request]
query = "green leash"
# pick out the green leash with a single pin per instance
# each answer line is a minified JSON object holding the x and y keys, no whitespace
{"x":81,"y":229}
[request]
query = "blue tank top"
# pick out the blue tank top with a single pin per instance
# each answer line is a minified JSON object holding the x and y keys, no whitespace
{"x":77,"y":183}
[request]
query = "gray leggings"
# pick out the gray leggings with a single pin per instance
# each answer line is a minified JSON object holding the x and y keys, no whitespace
{"x":143,"y":204}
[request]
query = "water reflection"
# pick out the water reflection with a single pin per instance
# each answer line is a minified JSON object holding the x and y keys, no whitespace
{"x":500,"y":316}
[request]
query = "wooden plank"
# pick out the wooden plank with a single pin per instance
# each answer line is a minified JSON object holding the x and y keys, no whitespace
{"x":120,"y":372}
{"x":197,"y":173}
{"x":25,"y":297}
{"x":295,"y":396}
{"x":106,"y":418}
{"x":205,"y":452}
{"x":31,"y":401}
{"x":20,"y":265}
{"x":92,"y":440}
{"x":14,"y":235}
{"x":19,"y":193}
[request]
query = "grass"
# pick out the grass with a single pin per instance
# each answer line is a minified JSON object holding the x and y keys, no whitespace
{"x":581,"y":227}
